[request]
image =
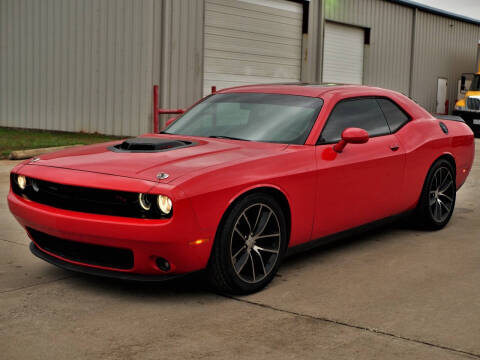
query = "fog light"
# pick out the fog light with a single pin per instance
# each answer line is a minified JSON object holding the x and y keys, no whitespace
{"x":22,"y":182}
{"x":163,"y":264}
{"x":164,"y":204}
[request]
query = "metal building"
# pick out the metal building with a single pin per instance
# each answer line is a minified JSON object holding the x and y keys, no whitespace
{"x":90,"y":65}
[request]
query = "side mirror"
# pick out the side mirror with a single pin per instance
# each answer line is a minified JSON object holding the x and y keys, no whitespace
{"x":351,"y":136}
{"x":462,"y":83}
{"x":169,"y":121}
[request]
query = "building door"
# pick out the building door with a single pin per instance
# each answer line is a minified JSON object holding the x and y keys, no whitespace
{"x":251,"y":41}
{"x":442,"y":106}
{"x":343,"y":54}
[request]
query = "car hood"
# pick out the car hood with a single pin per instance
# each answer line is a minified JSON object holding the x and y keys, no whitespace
{"x":177,"y":162}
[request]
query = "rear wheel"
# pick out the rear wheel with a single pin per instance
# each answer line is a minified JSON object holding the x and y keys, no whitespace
{"x":437,"y":201}
{"x":249,"y":246}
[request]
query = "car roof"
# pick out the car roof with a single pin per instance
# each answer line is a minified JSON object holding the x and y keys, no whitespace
{"x":304,"y":89}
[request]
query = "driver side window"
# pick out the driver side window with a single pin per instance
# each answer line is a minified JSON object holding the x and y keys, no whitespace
{"x":360,"y":113}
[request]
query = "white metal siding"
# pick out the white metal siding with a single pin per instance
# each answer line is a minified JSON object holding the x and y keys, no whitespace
{"x":343,"y":54}
{"x":387,"y":58}
{"x":251,"y":42}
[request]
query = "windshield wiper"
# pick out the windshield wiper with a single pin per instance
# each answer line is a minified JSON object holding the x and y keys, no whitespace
{"x":226,"y":137}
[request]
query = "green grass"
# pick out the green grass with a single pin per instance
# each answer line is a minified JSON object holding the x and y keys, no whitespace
{"x":22,"y":139}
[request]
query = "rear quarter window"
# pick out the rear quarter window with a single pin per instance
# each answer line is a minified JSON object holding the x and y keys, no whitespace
{"x":395,"y":116}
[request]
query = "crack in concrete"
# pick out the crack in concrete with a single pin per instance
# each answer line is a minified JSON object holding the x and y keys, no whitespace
{"x":13,"y":242}
{"x":353,"y":326}
{"x":37,"y":284}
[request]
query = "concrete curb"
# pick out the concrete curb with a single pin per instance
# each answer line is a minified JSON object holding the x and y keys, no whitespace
{"x":27,"y":154}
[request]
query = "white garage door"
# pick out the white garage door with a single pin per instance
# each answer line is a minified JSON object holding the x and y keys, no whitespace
{"x":343,"y":54}
{"x":251,"y":41}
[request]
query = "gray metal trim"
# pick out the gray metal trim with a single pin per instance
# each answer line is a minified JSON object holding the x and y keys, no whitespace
{"x":432,"y":10}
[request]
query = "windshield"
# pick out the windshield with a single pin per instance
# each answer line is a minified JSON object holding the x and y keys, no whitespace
{"x":277,"y":118}
{"x":475,"y":86}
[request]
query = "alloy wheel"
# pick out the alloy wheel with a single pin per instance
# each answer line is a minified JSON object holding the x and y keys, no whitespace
{"x":441,"y":194}
{"x":255,"y":243}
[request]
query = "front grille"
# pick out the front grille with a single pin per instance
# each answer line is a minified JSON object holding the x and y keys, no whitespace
{"x":91,"y":254}
{"x":83,"y":199}
{"x":473,"y":103}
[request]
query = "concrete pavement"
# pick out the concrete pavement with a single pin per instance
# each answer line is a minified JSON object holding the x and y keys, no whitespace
{"x":395,"y":293}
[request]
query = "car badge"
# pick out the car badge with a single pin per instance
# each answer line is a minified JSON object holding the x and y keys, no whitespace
{"x":162,"y":176}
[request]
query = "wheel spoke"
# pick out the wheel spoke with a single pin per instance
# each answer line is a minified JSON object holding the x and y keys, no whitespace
{"x":253,"y":265}
{"x":263,"y":223}
{"x":258,"y":248}
{"x":432,"y":198}
{"x":435,"y":179}
{"x":444,"y":188}
{"x":258,"y":217}
{"x":444,"y":205}
{"x":443,"y":180}
{"x":238,"y":252}
{"x":240,"y":264}
{"x":445,"y":196}
{"x":261,"y":261}
{"x":267,"y":236}
{"x":239,"y":233}
{"x":248,"y":222}
{"x":438,"y":210}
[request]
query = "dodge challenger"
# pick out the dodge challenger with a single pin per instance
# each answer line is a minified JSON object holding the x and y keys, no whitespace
{"x":240,"y":180}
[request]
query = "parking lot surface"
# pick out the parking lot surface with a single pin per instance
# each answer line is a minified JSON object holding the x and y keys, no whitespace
{"x":393,"y":293}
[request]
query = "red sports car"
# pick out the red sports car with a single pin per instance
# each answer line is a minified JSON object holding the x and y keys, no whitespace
{"x":239,"y":180}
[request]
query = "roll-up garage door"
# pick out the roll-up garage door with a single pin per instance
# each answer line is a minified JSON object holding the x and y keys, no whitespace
{"x":343,"y":54}
{"x":251,"y":41}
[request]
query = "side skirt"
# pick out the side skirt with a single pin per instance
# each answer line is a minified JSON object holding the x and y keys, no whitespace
{"x":345,"y":234}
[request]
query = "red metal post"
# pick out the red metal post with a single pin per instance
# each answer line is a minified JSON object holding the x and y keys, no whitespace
{"x":214,"y":89}
{"x":170,"y":111}
{"x":155,"y":109}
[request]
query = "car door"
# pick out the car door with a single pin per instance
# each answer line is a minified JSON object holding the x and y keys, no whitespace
{"x":362,"y":183}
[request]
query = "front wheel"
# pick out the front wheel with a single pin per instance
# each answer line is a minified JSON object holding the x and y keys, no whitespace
{"x":249,"y":246}
{"x":437,"y":201}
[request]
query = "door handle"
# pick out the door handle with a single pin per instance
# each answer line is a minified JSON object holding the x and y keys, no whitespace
{"x":394,"y":147}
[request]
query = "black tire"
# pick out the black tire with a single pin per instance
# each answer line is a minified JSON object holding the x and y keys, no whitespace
{"x":431,"y":212}
{"x":231,"y":250}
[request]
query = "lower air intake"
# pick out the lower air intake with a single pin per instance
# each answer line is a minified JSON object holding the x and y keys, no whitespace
{"x":84,"y":253}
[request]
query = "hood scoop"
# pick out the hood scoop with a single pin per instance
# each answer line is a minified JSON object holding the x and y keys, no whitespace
{"x":149,"y":145}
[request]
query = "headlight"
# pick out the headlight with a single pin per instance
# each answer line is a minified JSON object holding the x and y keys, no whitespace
{"x":164,"y":204}
{"x":21,"y":182}
{"x":144,"y":201}
{"x":461,"y":105}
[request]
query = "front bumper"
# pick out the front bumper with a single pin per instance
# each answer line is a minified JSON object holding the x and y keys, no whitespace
{"x":469,"y":116}
{"x":172,"y":239}
{"x":98,"y":272}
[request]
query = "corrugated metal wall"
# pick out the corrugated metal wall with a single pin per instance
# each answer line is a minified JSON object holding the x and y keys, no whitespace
{"x":180,"y":52}
{"x":88,"y":65}
{"x":387,"y":58}
{"x":76,"y":65}
{"x":443,"y":48}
